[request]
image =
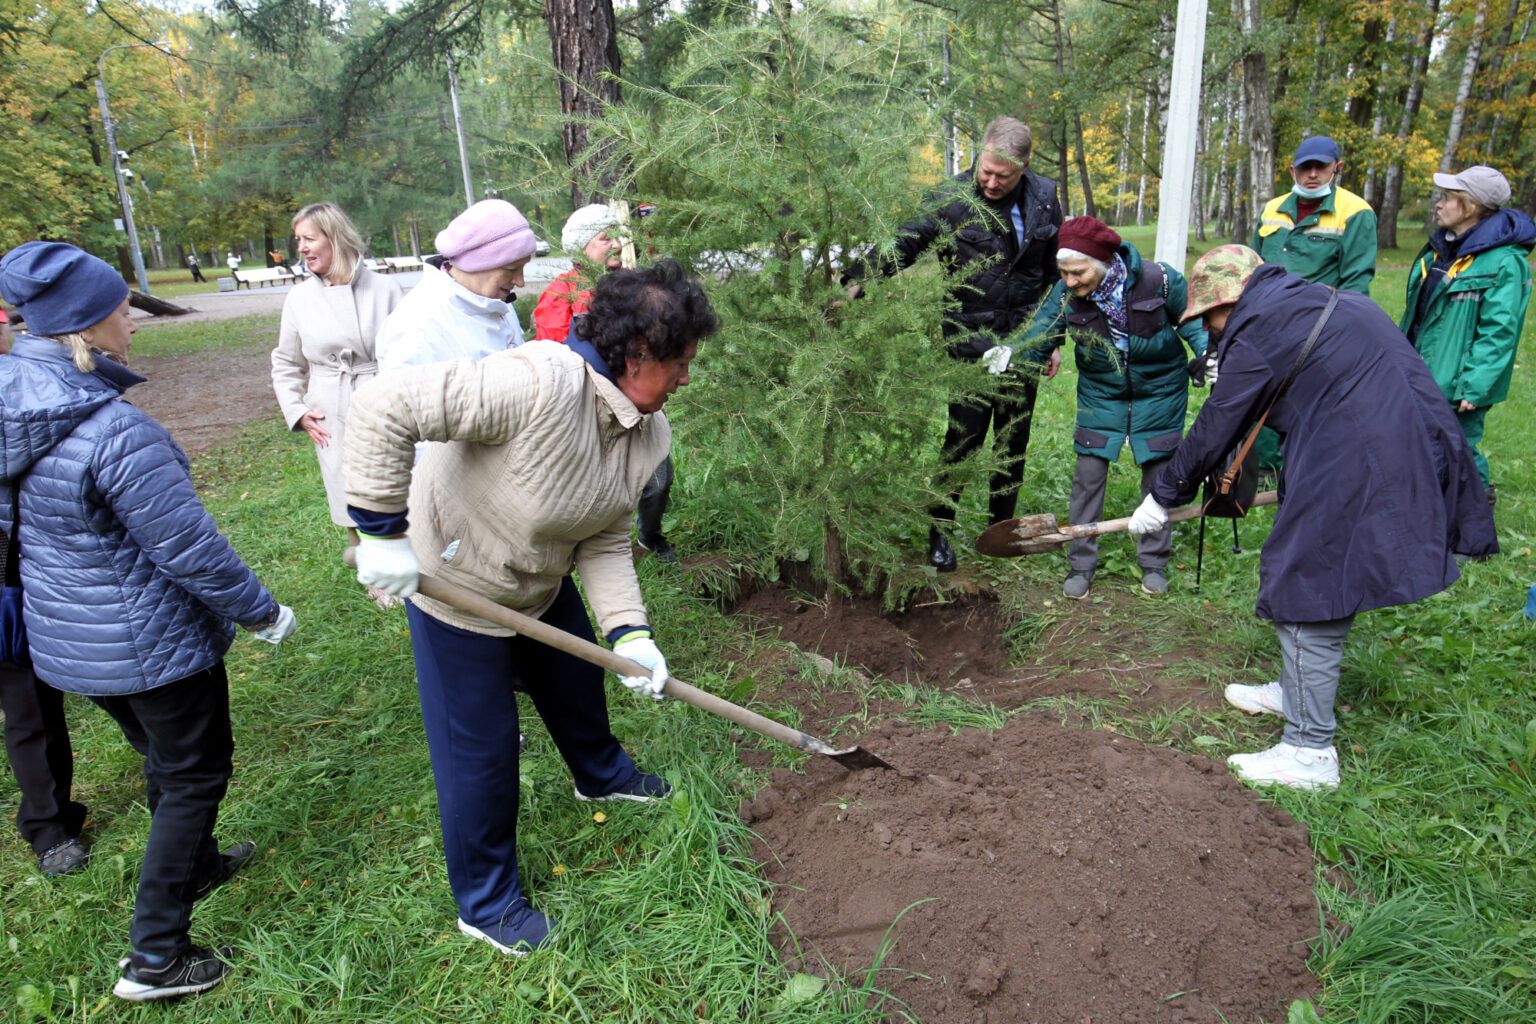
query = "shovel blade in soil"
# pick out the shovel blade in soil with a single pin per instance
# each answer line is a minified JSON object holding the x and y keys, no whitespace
{"x":857,"y":759}
{"x":1013,"y":537}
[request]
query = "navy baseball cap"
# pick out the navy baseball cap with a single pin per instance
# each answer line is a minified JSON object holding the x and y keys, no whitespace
{"x":1319,"y":148}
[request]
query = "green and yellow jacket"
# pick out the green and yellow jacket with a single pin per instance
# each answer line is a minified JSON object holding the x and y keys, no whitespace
{"x":1469,"y":328}
{"x":1335,"y":245}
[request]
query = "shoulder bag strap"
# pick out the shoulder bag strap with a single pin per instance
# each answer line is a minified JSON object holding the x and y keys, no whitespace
{"x":1317,"y":329}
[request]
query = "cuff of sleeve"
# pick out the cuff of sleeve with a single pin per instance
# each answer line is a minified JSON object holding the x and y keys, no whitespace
{"x":614,"y":636}
{"x":378,"y":524}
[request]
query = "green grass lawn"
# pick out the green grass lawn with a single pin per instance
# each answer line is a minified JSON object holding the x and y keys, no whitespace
{"x":345,"y":913}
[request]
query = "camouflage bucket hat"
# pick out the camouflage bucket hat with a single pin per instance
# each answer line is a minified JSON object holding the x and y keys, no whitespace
{"x":1218,"y":277}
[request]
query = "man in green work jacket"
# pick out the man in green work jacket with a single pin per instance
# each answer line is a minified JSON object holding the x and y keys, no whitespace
{"x":1318,"y":231}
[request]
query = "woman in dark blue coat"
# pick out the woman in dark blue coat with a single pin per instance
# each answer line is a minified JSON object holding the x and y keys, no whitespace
{"x":131,"y":593}
{"x":1380,"y":491}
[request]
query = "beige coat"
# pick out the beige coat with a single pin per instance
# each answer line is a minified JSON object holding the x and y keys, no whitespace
{"x":548,"y":465}
{"x":324,"y":351}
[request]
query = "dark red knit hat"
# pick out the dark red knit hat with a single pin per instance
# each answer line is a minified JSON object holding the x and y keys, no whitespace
{"x":1089,"y":236}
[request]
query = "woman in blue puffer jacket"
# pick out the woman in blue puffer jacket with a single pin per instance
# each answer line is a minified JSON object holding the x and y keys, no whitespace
{"x":131,"y":593}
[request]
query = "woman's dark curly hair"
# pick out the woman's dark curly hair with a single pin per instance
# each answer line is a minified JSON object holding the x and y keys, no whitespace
{"x":655,"y":311}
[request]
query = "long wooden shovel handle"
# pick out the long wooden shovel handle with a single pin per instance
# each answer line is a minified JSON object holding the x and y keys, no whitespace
{"x":1178,"y":515}
{"x":526,"y":625}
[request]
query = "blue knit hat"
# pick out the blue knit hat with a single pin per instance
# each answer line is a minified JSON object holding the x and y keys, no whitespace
{"x":58,"y":288}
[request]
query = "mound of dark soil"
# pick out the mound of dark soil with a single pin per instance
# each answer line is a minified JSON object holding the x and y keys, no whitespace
{"x":1043,"y":873}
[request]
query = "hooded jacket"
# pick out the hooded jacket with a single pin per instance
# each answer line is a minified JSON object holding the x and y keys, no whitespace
{"x":1470,"y":328}
{"x":1143,"y":392}
{"x":1003,"y":280}
{"x":1380,"y":488}
{"x":128,"y":583}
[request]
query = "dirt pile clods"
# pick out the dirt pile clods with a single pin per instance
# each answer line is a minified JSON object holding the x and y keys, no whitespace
{"x":1043,"y":873}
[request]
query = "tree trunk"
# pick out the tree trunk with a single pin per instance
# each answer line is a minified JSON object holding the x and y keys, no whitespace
{"x":1492,"y":79}
{"x":157,"y":307}
{"x":1198,"y":206}
{"x":1123,"y":165}
{"x":1261,"y":127}
{"x":1141,"y":181}
{"x":1464,"y":90}
{"x":1077,"y":128}
{"x":585,"y":44}
{"x":1379,"y":118}
{"x":1509,"y":87}
{"x":1392,"y":190}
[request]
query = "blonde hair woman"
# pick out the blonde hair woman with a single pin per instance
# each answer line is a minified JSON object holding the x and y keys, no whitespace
{"x":325,"y":347}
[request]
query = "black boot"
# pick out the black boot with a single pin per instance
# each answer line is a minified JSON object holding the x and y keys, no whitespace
{"x":940,"y":555}
{"x":1493,"y":496}
{"x":653,"y":505}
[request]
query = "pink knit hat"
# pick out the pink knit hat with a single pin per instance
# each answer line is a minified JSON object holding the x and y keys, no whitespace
{"x":488,"y":235}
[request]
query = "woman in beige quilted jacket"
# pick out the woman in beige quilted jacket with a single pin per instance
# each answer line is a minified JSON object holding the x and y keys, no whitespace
{"x":548,"y":448}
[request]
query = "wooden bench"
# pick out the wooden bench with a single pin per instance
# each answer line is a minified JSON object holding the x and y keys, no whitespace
{"x":267,"y":275}
{"x":403,"y":262}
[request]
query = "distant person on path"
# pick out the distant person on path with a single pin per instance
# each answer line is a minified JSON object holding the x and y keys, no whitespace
{"x":593,"y":241}
{"x":1468,"y":291}
{"x":462,"y":307}
{"x":195,"y":265}
{"x":1320,"y":231}
{"x":325,"y":343}
{"x":1380,"y":492}
{"x":232,"y":261}
{"x":546,"y":449}
{"x":1002,"y":218}
{"x":1124,"y":316}
{"x":132,"y":594}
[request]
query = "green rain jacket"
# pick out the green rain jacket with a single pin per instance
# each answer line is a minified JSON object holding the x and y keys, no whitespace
{"x":1335,"y":245}
{"x":1141,"y":393}
{"x":1471,"y":328}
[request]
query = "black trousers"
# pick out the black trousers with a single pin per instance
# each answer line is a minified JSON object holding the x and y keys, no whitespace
{"x":1009,"y":415}
{"x":37,"y":744}
{"x":183,"y":731}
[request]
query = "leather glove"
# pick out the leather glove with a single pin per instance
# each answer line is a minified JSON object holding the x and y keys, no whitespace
{"x":388,"y":564}
{"x":996,"y":358}
{"x":1149,"y":517}
{"x":639,"y":647}
{"x":1202,"y":369}
{"x":280,"y":630}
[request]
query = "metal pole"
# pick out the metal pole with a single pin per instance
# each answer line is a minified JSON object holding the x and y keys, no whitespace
{"x":122,"y":188}
{"x":123,"y":198}
{"x":1178,"y":181}
{"x":458,"y":127}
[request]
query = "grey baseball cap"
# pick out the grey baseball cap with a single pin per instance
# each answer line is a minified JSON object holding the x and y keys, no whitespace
{"x":1486,"y":185}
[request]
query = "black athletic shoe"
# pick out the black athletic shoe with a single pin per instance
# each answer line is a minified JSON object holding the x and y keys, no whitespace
{"x":230,"y":863}
{"x":196,"y":970}
{"x":940,"y":555}
{"x":67,"y":858}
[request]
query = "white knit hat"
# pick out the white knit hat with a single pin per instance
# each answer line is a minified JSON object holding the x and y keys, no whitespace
{"x":584,"y":225}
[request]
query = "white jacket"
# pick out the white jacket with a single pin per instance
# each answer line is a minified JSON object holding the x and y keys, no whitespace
{"x":547,"y":462}
{"x":441,"y":319}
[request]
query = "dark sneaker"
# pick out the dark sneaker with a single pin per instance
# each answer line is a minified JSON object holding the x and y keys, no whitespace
{"x":519,"y":933}
{"x":230,"y":863}
{"x":658,"y":546}
{"x":196,"y":970}
{"x":1077,"y":586}
{"x":67,"y":858}
{"x":940,"y":555}
{"x":644,"y":789}
{"x":1153,"y":582}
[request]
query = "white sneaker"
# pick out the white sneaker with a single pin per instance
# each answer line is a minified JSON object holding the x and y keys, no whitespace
{"x":1287,"y":765}
{"x":1256,"y":700}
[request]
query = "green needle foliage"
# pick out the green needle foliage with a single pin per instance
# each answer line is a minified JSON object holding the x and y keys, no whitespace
{"x":781,"y":147}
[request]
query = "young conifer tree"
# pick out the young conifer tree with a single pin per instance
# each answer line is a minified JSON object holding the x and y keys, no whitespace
{"x":785,"y":144}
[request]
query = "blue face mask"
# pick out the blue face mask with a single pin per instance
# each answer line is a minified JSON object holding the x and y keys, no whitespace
{"x":1312,"y":193}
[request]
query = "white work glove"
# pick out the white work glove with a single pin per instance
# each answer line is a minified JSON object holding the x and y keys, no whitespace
{"x":280,"y":630}
{"x":639,"y":647}
{"x":997,"y":358}
{"x":1149,"y":517}
{"x":388,"y":564}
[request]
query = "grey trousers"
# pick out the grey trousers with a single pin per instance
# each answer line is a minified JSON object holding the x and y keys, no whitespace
{"x":1310,"y":653}
{"x":1087,"y":506}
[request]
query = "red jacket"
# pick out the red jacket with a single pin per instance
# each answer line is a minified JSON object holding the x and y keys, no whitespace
{"x":563,"y":299}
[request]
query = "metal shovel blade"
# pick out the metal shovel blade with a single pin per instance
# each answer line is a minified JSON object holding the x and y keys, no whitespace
{"x":1013,"y":536}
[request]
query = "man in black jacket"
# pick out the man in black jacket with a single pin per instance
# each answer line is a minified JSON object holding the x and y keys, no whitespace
{"x":1001,"y":219}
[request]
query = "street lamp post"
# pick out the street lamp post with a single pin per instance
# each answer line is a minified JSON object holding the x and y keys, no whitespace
{"x":123,"y":198}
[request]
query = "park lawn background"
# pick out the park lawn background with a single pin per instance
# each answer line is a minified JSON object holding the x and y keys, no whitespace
{"x":345,"y":913}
